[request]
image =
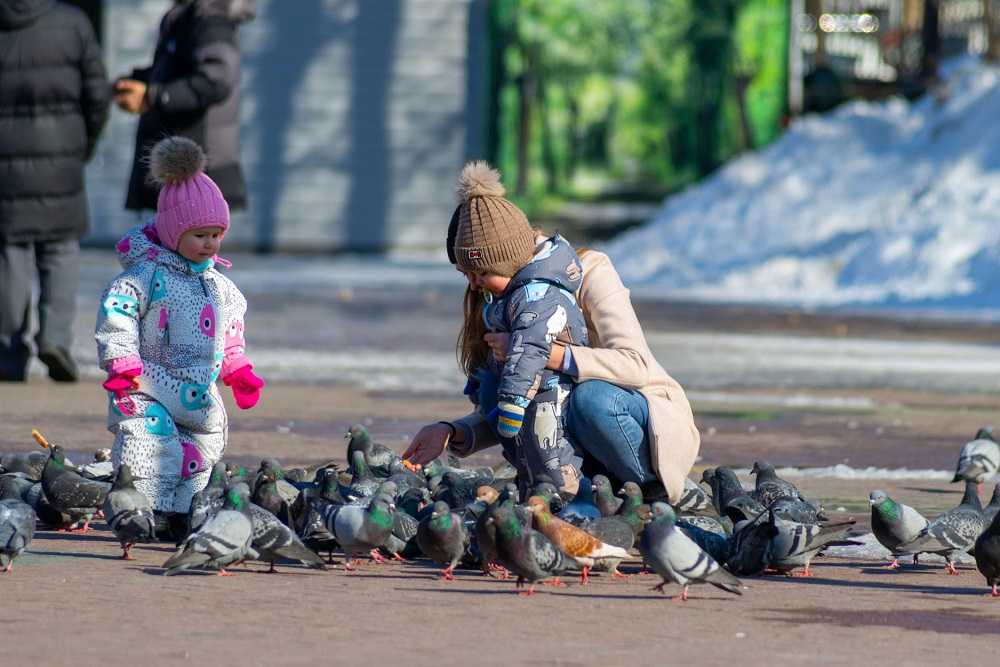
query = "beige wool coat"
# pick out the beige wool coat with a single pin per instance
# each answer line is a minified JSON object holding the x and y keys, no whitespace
{"x":618,"y":354}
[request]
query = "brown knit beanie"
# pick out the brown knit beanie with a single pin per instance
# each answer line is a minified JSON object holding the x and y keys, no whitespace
{"x":492,"y":234}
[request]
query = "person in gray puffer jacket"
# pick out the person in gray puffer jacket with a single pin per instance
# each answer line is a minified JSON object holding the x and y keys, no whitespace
{"x":529,"y":296}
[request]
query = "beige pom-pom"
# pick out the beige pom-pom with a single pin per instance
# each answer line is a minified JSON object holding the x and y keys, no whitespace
{"x":174,"y":160}
{"x":478,"y":179}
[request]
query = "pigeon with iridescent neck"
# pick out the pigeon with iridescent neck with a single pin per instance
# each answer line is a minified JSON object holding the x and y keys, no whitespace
{"x":588,"y":551}
{"x":443,"y":538}
{"x":224,"y":539}
{"x":526,"y":552}
{"x":604,"y":496}
{"x":71,"y":493}
{"x":128,"y":512}
{"x":361,"y":530}
{"x":379,"y":459}
{"x":894,"y":524}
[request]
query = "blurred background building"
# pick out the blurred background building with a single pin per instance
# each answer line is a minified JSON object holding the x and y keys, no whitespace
{"x":357,"y":114}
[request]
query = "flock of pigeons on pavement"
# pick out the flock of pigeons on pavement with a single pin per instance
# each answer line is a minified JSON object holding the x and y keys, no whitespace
{"x":382,"y":508}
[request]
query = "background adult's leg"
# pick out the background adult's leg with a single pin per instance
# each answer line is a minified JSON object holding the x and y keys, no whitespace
{"x":17,"y":270}
{"x":610,"y":424}
{"x":58,"y":274}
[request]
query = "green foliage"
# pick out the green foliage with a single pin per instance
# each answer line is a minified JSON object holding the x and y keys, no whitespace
{"x":631,"y":94}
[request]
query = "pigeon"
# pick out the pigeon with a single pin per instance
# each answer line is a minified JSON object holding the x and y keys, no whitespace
{"x":442,"y":536}
{"x":224,"y":539}
{"x":485,"y":529}
{"x":379,"y":458}
{"x":525,"y":552}
{"x":402,"y":542}
{"x":693,"y":499}
{"x":267,"y":496}
{"x":706,"y":523}
{"x":584,"y":548}
{"x":743,"y":508}
{"x":795,"y":509}
{"x":613,"y":530}
{"x":416,"y":503}
{"x":546,"y":490}
{"x":209,"y":500}
{"x":69,"y":492}
{"x":273,"y":540}
{"x":991,"y":510}
{"x":455,"y":490}
{"x":727,"y":491}
{"x":17,"y":527}
{"x":987,"y":555}
{"x":979,"y":458}
{"x":676,"y":558}
{"x":16,"y":485}
{"x":604,"y":496}
{"x":582,"y":507}
{"x":796,"y":544}
{"x":360,"y":530}
{"x":716,"y":545}
{"x":30,"y":463}
{"x":769,"y":486}
{"x":955,"y":531}
{"x":895,"y":525}
{"x":632,"y":508}
{"x":752,"y":546}
{"x":363,"y":482}
{"x":128,"y":512}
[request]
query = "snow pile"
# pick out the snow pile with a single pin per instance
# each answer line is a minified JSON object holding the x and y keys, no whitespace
{"x":841,"y":471}
{"x":884,"y":203}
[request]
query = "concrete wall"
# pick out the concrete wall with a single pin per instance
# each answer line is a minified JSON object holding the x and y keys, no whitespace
{"x":357,"y":115}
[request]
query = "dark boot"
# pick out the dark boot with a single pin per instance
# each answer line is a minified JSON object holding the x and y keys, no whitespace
{"x":62,"y":368}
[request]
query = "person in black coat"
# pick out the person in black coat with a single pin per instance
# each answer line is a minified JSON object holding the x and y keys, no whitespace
{"x":54,"y":98}
{"x":192,"y":89}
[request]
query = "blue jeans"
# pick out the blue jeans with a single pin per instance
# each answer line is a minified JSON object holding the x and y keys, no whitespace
{"x":610,"y":424}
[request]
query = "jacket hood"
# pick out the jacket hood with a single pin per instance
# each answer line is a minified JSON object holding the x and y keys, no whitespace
{"x":141,"y":244}
{"x":238,"y":11}
{"x":555,"y":261}
{"x":19,"y":13}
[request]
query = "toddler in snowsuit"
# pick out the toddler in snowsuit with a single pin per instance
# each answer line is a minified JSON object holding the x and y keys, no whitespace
{"x":529,"y":293}
{"x":168,"y":326}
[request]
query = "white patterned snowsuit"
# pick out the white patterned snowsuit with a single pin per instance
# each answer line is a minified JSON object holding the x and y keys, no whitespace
{"x":185,"y":323}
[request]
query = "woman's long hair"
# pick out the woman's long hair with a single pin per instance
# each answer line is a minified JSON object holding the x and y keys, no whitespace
{"x":473,"y":351}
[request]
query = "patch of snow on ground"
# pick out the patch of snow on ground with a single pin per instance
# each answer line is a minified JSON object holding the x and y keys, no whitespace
{"x":841,"y":471}
{"x":886,"y":203}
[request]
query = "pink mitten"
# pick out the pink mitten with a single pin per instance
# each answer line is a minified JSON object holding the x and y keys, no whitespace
{"x":245,"y":385}
{"x":122,"y":374}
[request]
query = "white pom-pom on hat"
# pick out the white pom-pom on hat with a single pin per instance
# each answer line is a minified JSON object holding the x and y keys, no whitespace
{"x":479,"y":179}
{"x":175,"y":160}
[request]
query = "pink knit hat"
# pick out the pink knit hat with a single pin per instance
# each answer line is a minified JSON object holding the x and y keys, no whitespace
{"x":188,"y":199}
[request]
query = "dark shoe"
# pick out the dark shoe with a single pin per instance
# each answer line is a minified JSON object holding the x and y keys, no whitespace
{"x":62,"y":368}
{"x":12,"y":370}
{"x":654,"y":491}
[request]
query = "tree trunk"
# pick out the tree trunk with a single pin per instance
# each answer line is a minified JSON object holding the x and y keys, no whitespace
{"x":746,"y":131}
{"x":548,"y":152}
{"x":526,"y":104}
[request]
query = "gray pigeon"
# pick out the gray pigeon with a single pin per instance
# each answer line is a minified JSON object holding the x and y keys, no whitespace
{"x":16,"y":485}
{"x":207,"y":502}
{"x":693,"y":499}
{"x":359,"y":530}
{"x":17,"y":527}
{"x":273,"y":540}
{"x":979,"y":459}
{"x":796,"y":544}
{"x":69,"y":492}
{"x":769,"y":486}
{"x":128,"y":512}
{"x":676,"y":558}
{"x":224,"y":539}
{"x":380,"y":460}
{"x":895,"y":525}
{"x":604,"y":496}
{"x":443,"y":538}
{"x":955,"y":531}
{"x":988,"y":555}
{"x":706,"y":523}
{"x":402,"y":541}
{"x":524,"y":551}
{"x":30,"y":463}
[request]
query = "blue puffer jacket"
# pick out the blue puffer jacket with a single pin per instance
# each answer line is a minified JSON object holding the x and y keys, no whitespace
{"x":537,"y":308}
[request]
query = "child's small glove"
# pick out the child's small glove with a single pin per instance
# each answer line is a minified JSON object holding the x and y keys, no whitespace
{"x":245,"y":385}
{"x":510,"y":417}
{"x":122,"y":376}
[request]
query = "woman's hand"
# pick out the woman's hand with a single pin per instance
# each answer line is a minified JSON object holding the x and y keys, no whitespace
{"x":130,"y":96}
{"x":498,"y":343}
{"x":428,"y":443}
